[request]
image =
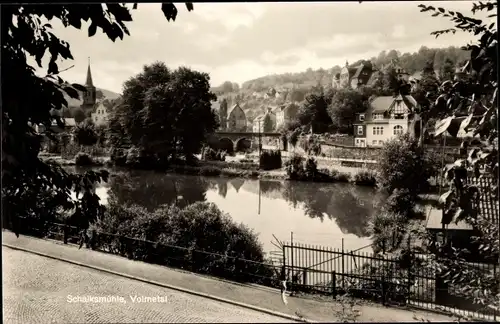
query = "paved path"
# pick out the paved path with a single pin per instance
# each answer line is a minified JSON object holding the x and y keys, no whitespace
{"x":257,"y":296}
{"x":42,"y":290}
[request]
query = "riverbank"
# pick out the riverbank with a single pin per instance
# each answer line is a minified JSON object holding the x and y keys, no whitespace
{"x":244,"y":168}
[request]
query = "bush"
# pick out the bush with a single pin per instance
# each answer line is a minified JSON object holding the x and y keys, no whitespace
{"x":210,"y":154}
{"x":338,"y":176}
{"x":401,"y":202}
{"x":387,"y":229}
{"x":85,"y":133}
{"x":118,"y":156}
{"x":183,"y":235}
{"x":365,"y":178}
{"x":403,"y":164}
{"x":311,"y":168}
{"x":270,"y":160}
{"x":294,"y":167}
{"x":83,"y":159}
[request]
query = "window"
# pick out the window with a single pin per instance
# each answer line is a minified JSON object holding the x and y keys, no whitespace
{"x":398,"y":130}
{"x":381,"y":142}
{"x":360,"y":130}
{"x":378,"y":130}
{"x":361,"y":117}
{"x":374,"y":142}
{"x":377,"y":116}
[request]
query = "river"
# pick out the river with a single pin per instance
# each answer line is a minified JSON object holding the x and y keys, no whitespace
{"x":317,"y":213}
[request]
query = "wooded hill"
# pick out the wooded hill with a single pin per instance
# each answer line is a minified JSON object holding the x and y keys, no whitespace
{"x":299,"y":84}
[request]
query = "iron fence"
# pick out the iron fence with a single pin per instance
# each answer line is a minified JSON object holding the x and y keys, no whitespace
{"x":404,"y":279}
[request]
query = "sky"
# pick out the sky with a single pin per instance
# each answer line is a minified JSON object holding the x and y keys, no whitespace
{"x":242,"y":41}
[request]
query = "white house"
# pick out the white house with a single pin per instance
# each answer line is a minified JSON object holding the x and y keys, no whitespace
{"x":386,"y":118}
{"x":100,"y":115}
{"x":286,"y":113}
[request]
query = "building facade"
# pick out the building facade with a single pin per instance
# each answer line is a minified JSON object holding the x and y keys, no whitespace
{"x":100,"y":116}
{"x":286,"y":113}
{"x":237,"y":120}
{"x":386,"y":118}
{"x":353,"y":76}
{"x":265,"y":123}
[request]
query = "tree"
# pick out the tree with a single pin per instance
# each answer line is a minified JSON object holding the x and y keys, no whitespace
{"x":25,"y":177}
{"x":167,"y":112}
{"x":85,"y":133}
{"x":227,"y":87}
{"x":268,"y":124}
{"x":313,"y":113}
{"x":297,"y":95}
{"x":403,"y":164}
{"x":447,"y":71}
{"x":471,"y":104}
{"x":343,"y":108}
{"x":79,"y":115}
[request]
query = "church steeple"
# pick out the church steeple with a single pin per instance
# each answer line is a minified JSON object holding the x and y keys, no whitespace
{"x":89,"y":82}
{"x":90,"y":95}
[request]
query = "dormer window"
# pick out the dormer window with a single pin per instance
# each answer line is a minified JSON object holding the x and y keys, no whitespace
{"x":361,"y":117}
{"x":377,"y":116}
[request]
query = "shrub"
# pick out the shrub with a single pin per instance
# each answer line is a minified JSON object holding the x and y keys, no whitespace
{"x":270,"y":160}
{"x":365,"y":178}
{"x":294,"y":168}
{"x":403,"y":164}
{"x":132,"y":156}
{"x":209,"y":154}
{"x":183,"y":237}
{"x":83,"y":159}
{"x":338,"y":176}
{"x":311,"y":168}
{"x":118,"y":156}
{"x":85,"y":133}
{"x":387,"y":229}
{"x":401,"y":202}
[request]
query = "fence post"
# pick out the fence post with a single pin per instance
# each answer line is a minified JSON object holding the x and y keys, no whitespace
{"x":292,"y":265}
{"x":343,"y":272}
{"x":334,"y":285}
{"x":409,"y":270}
{"x":383,"y":291}
{"x":65,"y":238}
{"x":304,"y":277}
{"x":494,"y":309}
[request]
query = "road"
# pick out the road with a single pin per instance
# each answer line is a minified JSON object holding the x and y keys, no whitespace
{"x":42,"y":290}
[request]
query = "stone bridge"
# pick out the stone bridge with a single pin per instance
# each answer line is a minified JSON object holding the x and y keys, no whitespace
{"x":242,"y":141}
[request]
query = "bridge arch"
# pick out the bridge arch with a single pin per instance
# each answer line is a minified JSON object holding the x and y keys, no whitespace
{"x":243,"y":144}
{"x":227,"y":145}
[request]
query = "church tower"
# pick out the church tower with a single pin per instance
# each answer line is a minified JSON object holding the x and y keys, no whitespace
{"x":89,"y":97}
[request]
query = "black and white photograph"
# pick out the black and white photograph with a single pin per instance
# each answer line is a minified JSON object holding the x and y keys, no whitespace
{"x":250,"y":162}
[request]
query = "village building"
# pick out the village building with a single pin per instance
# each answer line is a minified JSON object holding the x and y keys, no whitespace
{"x":100,"y":116}
{"x":286,"y":113}
{"x":353,"y":76}
{"x":386,"y":118}
{"x":237,"y":120}
{"x":265,"y":123}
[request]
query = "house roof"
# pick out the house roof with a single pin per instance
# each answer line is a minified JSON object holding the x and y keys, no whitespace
{"x":380,"y":105}
{"x":233,"y":108}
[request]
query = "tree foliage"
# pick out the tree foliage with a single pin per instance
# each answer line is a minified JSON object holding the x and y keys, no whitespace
{"x":30,"y":187}
{"x":470,"y":105}
{"x":403,"y":164}
{"x":85,"y":133}
{"x":313,"y":112}
{"x":344,"y":106}
{"x":165,"y":112}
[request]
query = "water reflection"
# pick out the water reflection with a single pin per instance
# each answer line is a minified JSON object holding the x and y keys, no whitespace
{"x":317,"y":213}
{"x":152,"y":190}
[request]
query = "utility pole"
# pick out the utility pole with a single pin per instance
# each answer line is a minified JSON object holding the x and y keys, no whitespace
{"x":260,"y":142}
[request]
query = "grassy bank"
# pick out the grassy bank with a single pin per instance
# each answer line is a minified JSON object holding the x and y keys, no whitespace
{"x":240,"y":169}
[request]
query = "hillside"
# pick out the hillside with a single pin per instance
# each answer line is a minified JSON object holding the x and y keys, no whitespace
{"x":251,"y":95}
